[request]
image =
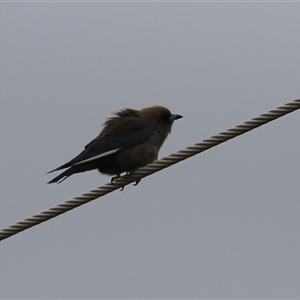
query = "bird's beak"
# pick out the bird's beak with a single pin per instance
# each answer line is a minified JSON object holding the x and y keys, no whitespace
{"x":174,"y":117}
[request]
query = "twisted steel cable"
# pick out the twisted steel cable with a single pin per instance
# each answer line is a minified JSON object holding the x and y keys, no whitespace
{"x":151,"y":168}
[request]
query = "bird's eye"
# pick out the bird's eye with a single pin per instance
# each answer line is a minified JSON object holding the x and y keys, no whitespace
{"x":166,"y":117}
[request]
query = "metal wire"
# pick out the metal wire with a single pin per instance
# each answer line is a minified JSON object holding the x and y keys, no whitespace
{"x":151,"y":168}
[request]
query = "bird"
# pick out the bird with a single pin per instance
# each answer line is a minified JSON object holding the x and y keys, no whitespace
{"x":129,"y":140}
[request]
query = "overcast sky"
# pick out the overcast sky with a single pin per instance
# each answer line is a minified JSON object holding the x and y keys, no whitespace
{"x":223,"y":224}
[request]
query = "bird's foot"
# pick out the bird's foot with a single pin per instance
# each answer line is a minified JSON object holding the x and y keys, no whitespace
{"x":113,"y":179}
{"x":137,"y":181}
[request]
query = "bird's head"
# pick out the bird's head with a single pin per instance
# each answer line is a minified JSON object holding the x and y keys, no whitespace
{"x":160,"y":117}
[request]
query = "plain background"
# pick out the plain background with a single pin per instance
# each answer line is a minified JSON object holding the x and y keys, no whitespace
{"x":223,"y":224}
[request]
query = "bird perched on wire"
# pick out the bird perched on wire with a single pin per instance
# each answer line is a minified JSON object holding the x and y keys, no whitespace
{"x":129,"y":140}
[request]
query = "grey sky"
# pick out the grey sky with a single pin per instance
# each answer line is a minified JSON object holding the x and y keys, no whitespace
{"x":223,"y":224}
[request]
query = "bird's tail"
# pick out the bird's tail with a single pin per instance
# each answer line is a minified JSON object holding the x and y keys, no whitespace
{"x":61,"y":177}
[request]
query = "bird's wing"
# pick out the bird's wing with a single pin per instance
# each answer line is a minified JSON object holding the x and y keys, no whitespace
{"x":128,"y":135}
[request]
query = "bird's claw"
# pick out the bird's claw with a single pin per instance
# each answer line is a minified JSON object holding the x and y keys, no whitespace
{"x":137,"y":182}
{"x":114,"y":178}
